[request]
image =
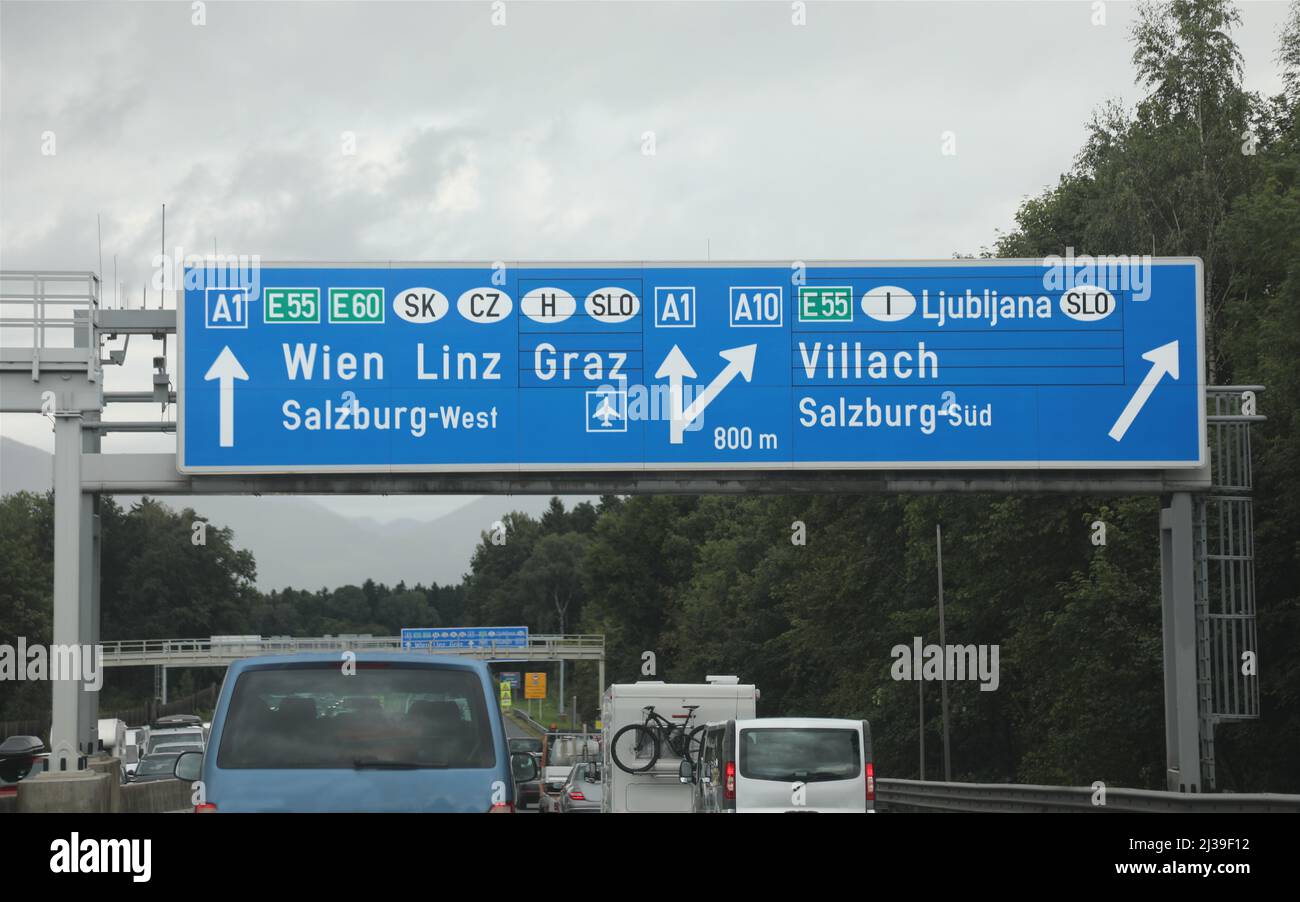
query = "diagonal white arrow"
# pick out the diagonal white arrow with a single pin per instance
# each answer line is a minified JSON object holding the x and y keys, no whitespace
{"x":227,"y":369}
{"x":1164,"y":359}
{"x":740,"y":362}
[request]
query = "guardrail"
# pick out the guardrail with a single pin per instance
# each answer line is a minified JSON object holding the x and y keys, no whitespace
{"x":528,"y":719}
{"x":918,"y":795}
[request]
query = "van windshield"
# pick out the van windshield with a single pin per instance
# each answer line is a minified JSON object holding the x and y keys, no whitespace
{"x":808,"y":755}
{"x":394,"y":716}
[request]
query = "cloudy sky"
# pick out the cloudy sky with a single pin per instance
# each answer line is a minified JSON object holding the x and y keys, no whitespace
{"x":531,"y":138}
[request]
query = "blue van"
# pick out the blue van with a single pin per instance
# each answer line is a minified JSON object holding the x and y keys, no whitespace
{"x":378,"y":732}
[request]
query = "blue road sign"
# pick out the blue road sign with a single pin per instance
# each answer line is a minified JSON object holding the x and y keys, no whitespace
{"x":514,"y":678}
{"x":959,"y":364}
{"x":465,"y":637}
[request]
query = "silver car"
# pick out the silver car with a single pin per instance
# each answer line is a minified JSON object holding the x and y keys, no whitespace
{"x":581,"y":791}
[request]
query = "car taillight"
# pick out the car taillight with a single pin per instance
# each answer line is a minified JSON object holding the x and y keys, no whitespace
{"x":205,"y":808}
{"x":729,"y":788}
{"x":871,"y":782}
{"x":576,"y":795}
{"x":502,"y":808}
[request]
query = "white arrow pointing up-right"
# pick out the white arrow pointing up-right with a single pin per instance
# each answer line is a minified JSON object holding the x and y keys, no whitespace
{"x":226,"y":369}
{"x":1164,"y":359}
{"x":740,"y":362}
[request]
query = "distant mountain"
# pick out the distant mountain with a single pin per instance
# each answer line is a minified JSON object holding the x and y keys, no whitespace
{"x":301,"y":543}
{"x":24,"y":468}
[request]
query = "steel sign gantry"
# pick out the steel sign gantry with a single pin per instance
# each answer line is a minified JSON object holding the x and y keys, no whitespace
{"x":1092,"y":392}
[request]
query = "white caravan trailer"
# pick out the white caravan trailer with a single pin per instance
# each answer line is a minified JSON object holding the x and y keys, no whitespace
{"x":656,"y":787}
{"x":112,"y":736}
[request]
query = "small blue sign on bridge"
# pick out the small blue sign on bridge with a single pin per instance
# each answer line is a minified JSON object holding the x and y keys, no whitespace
{"x":1074,"y":363}
{"x":488,"y":637}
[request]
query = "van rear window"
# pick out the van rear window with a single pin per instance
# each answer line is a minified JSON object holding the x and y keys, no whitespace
{"x":314,"y":716}
{"x":807,"y":755}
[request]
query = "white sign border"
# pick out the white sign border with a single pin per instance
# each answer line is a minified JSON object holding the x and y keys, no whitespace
{"x":714,"y":466}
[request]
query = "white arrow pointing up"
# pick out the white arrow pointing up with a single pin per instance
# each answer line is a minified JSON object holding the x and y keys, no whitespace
{"x":227,"y":369}
{"x":1164,"y":359}
{"x":740,"y":362}
{"x":676,"y":368}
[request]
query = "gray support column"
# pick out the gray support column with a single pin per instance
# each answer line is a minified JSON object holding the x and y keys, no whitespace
{"x":96,"y":636}
{"x":67,"y":744}
{"x":164,"y":687}
{"x":1178,"y":616}
{"x":88,"y":587}
{"x":600,"y":677}
{"x":87,"y":727}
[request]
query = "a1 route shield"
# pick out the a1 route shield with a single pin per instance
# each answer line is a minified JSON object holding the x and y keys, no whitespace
{"x":457,"y":367}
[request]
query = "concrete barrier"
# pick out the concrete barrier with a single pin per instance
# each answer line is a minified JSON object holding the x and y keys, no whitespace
{"x":97,"y":790}
{"x":112,"y":768}
{"x":78,"y":791}
{"x":157,"y":797}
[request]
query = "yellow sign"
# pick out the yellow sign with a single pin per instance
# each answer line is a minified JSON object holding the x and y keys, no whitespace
{"x":506,"y":696}
{"x":534,"y":685}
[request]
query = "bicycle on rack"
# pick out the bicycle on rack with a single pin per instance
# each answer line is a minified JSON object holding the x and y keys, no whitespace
{"x":636,"y":747}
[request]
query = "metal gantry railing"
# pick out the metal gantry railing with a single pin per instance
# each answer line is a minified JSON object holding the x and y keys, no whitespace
{"x":1224,"y":555}
{"x":47,"y":321}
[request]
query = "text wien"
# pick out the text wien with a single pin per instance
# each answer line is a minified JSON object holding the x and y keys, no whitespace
{"x":310,"y":362}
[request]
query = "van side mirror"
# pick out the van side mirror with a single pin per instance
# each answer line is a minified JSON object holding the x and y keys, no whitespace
{"x":188,"y":767}
{"x":686,"y":771}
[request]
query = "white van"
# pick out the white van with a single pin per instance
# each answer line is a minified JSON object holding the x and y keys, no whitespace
{"x":644,"y":776}
{"x":782,"y":764}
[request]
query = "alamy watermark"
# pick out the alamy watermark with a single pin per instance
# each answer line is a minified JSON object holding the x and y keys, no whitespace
{"x":1109,"y":271}
{"x":37,"y":663}
{"x":102,"y":856}
{"x":178,"y":270}
{"x":946,"y":662}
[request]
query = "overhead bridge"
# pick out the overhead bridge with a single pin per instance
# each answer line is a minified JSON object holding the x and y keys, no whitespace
{"x":221,"y":652}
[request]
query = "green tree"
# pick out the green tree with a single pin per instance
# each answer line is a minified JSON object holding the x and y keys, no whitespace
{"x":26,"y":591}
{"x":552,"y":580}
{"x":407,"y":609}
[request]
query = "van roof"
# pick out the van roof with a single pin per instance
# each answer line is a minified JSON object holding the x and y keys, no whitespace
{"x":362,"y":657}
{"x":661,"y":690}
{"x":808,"y":723}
